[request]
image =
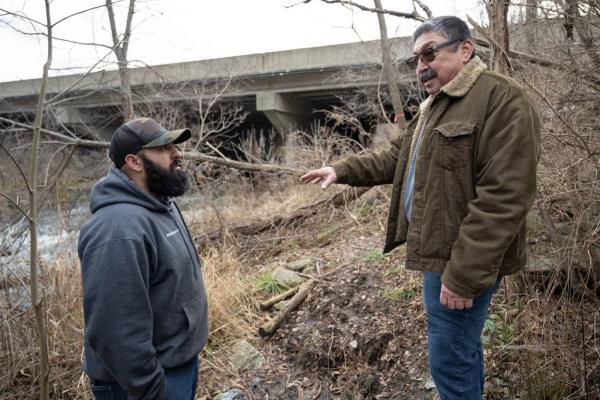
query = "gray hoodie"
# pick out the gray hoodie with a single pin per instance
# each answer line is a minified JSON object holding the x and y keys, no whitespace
{"x":144,"y":302}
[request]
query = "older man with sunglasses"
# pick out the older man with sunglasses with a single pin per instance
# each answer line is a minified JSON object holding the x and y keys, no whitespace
{"x":464,"y":177}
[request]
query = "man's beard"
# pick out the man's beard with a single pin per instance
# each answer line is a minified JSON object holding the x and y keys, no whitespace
{"x":163,"y":182}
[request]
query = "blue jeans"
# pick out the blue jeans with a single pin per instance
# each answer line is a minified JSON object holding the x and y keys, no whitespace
{"x":180,"y":384}
{"x":454,"y":338}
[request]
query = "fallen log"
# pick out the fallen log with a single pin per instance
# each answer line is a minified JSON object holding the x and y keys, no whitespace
{"x":268,"y":328}
{"x":265,"y":305}
{"x":187,"y":155}
{"x":261,"y":225}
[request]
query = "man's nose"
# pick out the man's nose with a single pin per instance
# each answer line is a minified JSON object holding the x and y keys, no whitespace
{"x":175,"y":152}
{"x":421,"y":66}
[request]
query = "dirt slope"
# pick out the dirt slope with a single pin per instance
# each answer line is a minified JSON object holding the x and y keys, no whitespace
{"x":361,"y":332}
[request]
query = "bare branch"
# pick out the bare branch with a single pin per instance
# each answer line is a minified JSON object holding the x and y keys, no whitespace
{"x":75,"y":14}
{"x":44,"y":34}
{"x":595,"y":81}
{"x":9,"y":154}
{"x":18,"y":207}
{"x":127,"y":34}
{"x":22,"y":16}
{"x":192,"y":156}
{"x":121,"y":54}
{"x":81,"y":78}
{"x":389,"y":69}
{"x":414,"y":15}
{"x":60,"y":169}
{"x":582,"y":143}
{"x":424,"y":8}
{"x":89,"y":144}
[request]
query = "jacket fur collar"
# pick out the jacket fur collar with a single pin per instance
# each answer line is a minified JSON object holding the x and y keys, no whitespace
{"x":462,"y":83}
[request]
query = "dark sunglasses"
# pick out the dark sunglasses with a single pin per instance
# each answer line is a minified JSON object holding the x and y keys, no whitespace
{"x":428,"y":55}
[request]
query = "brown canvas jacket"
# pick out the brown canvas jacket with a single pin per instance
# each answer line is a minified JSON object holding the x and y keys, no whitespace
{"x":475,"y":180}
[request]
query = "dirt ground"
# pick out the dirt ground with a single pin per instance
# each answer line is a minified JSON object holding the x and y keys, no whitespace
{"x":359,"y":335}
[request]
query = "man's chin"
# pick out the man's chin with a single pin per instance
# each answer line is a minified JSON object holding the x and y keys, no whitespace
{"x":431,"y":86}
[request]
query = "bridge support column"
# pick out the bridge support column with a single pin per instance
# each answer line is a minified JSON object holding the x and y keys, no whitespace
{"x":285,"y":112}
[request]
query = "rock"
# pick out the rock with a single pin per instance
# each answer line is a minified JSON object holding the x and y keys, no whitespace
{"x":310,"y":271}
{"x":246,"y":357}
{"x":233,"y":394}
{"x":534,"y":221}
{"x":255,"y":384}
{"x":429,"y":385}
{"x":538,"y":264}
{"x":299,"y":265}
{"x":285,"y":277}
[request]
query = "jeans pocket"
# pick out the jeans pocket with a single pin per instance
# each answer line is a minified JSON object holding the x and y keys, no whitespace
{"x":102,"y":392}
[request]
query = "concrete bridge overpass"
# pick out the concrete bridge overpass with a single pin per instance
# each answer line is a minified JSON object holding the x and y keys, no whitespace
{"x":284,"y":86}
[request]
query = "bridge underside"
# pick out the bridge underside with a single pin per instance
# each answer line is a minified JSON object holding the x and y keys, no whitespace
{"x":228,"y":116}
{"x":269,"y":93}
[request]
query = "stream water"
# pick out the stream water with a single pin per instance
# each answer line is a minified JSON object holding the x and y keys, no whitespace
{"x":58,"y":231}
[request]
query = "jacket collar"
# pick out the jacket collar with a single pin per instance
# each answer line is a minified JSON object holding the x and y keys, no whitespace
{"x":466,"y":78}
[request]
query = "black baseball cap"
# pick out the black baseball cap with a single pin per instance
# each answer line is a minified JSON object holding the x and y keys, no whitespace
{"x":141,"y":133}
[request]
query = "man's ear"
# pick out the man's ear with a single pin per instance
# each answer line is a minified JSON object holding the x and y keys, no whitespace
{"x":134,"y":163}
{"x":467,"y":47}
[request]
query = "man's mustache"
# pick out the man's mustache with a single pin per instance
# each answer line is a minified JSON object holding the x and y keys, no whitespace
{"x":175,"y":164}
{"x":427,"y":75}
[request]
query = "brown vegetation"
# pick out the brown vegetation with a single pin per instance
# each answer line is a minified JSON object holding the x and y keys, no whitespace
{"x":360,"y":331}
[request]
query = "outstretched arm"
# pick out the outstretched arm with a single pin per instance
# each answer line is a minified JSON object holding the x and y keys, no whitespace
{"x":326,"y":175}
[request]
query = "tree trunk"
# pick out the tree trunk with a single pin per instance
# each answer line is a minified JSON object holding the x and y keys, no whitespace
{"x":531,"y":21}
{"x":499,"y":44}
{"x":36,"y":298}
{"x":389,"y":70}
{"x":120,"y":50}
{"x":584,"y":30}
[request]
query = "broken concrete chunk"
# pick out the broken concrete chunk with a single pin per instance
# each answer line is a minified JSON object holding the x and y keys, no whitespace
{"x":246,"y":357}
{"x":299,"y":265}
{"x":286,"y":277}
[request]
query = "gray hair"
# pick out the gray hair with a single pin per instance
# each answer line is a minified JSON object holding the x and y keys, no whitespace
{"x":449,"y":26}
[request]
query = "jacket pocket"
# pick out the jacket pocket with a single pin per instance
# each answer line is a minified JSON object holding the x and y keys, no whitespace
{"x":195,"y":312}
{"x":196,"y":335}
{"x":455,"y":143}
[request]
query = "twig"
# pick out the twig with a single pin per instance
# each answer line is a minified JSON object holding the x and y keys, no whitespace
{"x":424,"y":8}
{"x":595,"y":81}
{"x":413,"y":15}
{"x":21,"y":172}
{"x":523,"y":347}
{"x":265,"y":305}
{"x":14,"y":203}
{"x":270,"y":327}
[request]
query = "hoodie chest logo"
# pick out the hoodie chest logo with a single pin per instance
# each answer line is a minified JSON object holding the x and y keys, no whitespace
{"x":172,"y":233}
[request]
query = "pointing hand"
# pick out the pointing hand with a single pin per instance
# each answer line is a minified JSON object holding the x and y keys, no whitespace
{"x":326,"y":175}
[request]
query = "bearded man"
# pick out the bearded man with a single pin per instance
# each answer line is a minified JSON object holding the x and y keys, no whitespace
{"x":144,"y":302}
{"x":464,"y":177}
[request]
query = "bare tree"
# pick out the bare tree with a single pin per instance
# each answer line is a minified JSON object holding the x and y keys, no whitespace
{"x":389,"y":70}
{"x":120,"y":49}
{"x":499,"y":40}
{"x":210,"y":104}
{"x":31,"y":215}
